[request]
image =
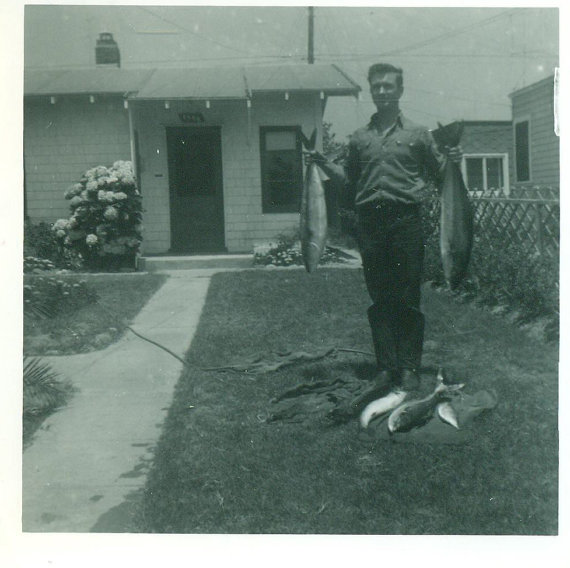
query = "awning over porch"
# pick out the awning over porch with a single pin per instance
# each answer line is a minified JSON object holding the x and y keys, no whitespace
{"x":84,"y":81}
{"x":196,"y":83}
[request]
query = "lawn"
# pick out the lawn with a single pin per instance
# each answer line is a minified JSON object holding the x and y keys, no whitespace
{"x":223,"y":466}
{"x":89,"y":325}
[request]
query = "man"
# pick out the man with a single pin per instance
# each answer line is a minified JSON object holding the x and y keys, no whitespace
{"x":390,"y":162}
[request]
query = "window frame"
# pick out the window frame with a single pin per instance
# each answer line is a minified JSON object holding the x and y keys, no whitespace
{"x":521,"y":120}
{"x":266,"y":206}
{"x":504,"y":156}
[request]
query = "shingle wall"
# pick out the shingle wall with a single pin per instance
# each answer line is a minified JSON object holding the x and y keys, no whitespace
{"x":62,"y":141}
{"x":536,"y":103}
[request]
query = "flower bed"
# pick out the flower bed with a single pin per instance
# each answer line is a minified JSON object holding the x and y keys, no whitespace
{"x":286,"y":251}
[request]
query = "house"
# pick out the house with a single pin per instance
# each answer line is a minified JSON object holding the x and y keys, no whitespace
{"x":536,"y":143}
{"x":523,"y":152}
{"x":487,"y":154}
{"x":217,"y":151}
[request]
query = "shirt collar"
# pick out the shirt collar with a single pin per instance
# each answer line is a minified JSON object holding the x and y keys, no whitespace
{"x":374,"y":120}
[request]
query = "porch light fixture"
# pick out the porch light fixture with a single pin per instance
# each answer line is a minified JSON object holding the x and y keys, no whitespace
{"x":166,"y":105}
{"x":322,"y":95}
{"x":91,"y":99}
{"x":207,"y":104}
{"x":286,"y":96}
{"x":248,"y":103}
{"x":126,"y":103}
{"x":52,"y":100}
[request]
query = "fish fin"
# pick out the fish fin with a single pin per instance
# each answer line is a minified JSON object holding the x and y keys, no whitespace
{"x":441,"y":376}
{"x":309,"y":143}
{"x":306,"y":142}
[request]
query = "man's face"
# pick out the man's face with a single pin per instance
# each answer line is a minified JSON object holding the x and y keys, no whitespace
{"x":385,"y":90}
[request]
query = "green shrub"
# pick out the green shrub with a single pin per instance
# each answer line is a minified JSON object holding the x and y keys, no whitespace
{"x":45,"y":296}
{"x":106,"y":213}
{"x":43,"y":250}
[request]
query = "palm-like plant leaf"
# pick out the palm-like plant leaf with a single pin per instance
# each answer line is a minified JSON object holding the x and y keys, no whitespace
{"x":39,"y":308}
{"x":44,"y":389}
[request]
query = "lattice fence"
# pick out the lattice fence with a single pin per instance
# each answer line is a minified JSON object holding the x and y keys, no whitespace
{"x":527,"y":217}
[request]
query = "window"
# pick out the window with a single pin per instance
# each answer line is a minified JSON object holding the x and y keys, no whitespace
{"x":281,"y":169}
{"x":486,"y":171}
{"x":522,"y":150}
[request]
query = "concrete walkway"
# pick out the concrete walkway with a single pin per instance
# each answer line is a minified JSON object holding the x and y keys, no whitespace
{"x":89,"y":457}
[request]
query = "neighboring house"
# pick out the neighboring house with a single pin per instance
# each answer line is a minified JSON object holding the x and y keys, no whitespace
{"x":217,"y":151}
{"x":536,"y":145}
{"x":487,"y":154}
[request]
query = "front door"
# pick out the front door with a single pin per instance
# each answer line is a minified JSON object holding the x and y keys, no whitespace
{"x":196,"y":193}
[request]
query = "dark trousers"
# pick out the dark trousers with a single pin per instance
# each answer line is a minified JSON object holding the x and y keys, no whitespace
{"x":392,"y":248}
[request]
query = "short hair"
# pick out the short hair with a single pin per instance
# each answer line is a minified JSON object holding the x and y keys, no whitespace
{"x":383,"y":68}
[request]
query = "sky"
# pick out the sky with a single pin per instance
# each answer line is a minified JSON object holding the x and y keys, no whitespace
{"x":459,"y":63}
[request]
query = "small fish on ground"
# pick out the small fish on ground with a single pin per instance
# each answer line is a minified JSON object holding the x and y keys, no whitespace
{"x":416,"y":413}
{"x":447,"y":413}
{"x":381,"y":406}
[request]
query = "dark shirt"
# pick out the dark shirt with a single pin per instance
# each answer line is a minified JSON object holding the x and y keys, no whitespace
{"x":394,"y":166}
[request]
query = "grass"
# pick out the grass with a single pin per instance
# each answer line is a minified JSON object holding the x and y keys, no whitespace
{"x":222,"y":467}
{"x":94,"y":325}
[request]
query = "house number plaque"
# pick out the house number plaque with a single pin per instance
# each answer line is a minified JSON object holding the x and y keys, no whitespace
{"x":191,"y":117}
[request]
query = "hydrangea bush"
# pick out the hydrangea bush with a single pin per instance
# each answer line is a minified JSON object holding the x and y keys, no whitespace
{"x":106,"y":214}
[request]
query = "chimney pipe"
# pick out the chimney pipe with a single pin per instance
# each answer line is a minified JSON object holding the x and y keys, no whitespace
{"x":107,"y":51}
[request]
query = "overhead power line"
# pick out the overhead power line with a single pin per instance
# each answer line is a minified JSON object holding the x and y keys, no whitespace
{"x":192,"y":32}
{"x":447,"y":35}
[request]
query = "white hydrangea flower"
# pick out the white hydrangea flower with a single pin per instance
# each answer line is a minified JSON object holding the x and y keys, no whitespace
{"x":91,"y":185}
{"x":60,"y":225}
{"x":120,"y":195}
{"x":111,"y":214}
{"x":91,"y":239}
{"x":76,"y":201}
{"x":73,"y":190}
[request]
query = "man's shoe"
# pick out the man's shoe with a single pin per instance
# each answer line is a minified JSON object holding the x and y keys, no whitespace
{"x":383,"y":383}
{"x":409,"y":380}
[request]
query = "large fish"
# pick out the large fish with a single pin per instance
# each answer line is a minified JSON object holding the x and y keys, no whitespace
{"x":416,"y":413}
{"x":313,"y":212}
{"x":381,"y":406}
{"x":456,"y":220}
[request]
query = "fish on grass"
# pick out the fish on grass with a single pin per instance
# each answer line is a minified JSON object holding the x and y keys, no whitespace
{"x":381,"y":406}
{"x":447,"y":414}
{"x":313,"y":226}
{"x":416,"y":413}
{"x":456,"y":218}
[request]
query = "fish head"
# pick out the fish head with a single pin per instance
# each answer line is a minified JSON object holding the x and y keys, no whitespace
{"x":398,"y":420}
